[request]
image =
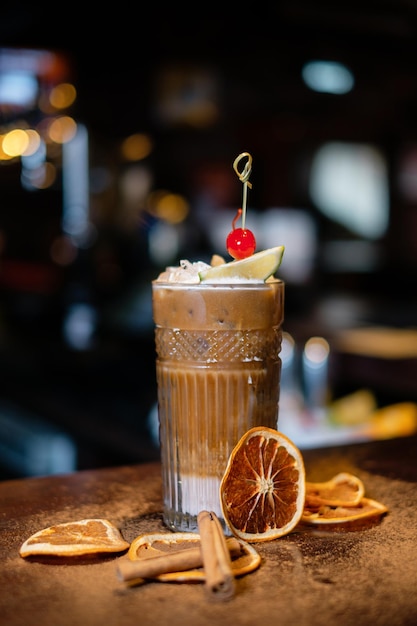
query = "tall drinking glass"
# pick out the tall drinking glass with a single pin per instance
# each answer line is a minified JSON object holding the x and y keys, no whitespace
{"x":218,"y":375}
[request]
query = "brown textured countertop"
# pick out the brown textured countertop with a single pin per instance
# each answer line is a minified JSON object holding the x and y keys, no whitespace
{"x":306,"y":578}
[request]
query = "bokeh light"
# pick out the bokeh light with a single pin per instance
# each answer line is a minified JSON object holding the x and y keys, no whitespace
{"x":63,"y":96}
{"x":168,"y":206}
{"x":15,"y":142}
{"x":136,"y":147}
{"x":316,"y":351}
{"x":62,"y":129}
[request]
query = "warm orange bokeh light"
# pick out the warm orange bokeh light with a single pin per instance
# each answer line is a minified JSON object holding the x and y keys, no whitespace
{"x":63,"y":96}
{"x":15,"y":142}
{"x":62,"y":129}
{"x":136,"y":147}
{"x":3,"y":155}
{"x":170,"y":207}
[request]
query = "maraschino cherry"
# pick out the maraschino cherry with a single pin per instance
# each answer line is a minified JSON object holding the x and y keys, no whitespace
{"x":240,"y":242}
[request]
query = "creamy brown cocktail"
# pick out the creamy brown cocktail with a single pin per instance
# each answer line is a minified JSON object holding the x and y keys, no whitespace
{"x":218,"y":373}
{"x":218,"y":339}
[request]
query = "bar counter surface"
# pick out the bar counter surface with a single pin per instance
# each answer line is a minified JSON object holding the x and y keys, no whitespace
{"x":357,"y":577}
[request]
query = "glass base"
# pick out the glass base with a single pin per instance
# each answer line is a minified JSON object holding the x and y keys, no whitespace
{"x":187,"y":523}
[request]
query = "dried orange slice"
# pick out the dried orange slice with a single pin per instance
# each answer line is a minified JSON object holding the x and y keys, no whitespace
{"x":342,"y":516}
{"x":262,"y":491}
{"x":87,"y":536}
{"x":148,"y":545}
{"x":344,"y":489}
{"x":157,"y":544}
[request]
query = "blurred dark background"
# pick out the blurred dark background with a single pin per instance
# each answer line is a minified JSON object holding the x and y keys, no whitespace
{"x":139,"y":113}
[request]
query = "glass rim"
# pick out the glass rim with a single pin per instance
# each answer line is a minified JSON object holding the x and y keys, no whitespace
{"x":218,"y":285}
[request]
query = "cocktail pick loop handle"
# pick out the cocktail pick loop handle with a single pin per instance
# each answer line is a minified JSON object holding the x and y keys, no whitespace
{"x":244,"y":178}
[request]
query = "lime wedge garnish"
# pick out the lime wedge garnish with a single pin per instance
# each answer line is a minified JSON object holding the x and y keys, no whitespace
{"x":258,"y":266}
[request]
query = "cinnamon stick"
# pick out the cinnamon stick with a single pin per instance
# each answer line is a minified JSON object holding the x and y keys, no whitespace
{"x":220,"y":580}
{"x":177,"y":561}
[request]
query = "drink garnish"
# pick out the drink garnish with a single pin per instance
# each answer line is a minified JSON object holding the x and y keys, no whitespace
{"x":257,"y":267}
{"x":247,"y":265}
{"x":262,"y":491}
{"x":241,"y":242}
